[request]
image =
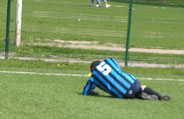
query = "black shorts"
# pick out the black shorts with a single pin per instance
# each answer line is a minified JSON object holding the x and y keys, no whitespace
{"x":134,"y":91}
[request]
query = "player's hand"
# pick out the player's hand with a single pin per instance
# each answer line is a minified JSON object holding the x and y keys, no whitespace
{"x":95,"y":93}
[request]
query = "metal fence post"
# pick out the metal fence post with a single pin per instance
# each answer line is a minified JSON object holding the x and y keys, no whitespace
{"x":128,"y":32}
{"x":7,"y":28}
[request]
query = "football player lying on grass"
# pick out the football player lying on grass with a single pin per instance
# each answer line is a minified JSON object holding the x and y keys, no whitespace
{"x":108,"y":76}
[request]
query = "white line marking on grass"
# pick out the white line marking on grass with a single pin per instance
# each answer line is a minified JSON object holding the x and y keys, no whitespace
{"x":159,"y":79}
{"x":93,"y":17}
{"x":82,"y":75}
{"x":46,"y":74}
{"x":78,"y":31}
{"x":79,"y":16}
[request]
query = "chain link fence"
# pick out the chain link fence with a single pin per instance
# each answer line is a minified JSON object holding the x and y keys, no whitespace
{"x":73,"y":31}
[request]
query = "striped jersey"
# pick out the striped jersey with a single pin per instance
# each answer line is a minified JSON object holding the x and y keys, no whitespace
{"x":108,"y":76}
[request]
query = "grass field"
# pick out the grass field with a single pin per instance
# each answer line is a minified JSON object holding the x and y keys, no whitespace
{"x":152,"y":26}
{"x":50,"y":96}
{"x":52,"y":90}
{"x":155,"y":24}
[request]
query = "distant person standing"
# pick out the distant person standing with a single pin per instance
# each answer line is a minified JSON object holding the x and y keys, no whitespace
{"x":98,"y":3}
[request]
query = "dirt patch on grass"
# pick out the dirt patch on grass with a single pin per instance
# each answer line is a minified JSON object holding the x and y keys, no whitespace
{"x":109,"y":47}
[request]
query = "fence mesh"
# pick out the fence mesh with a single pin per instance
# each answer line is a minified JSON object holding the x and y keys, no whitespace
{"x":70,"y":30}
{"x":3,"y":7}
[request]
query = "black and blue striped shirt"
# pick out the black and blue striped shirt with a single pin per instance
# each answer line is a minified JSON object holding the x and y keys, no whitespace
{"x":108,"y":76}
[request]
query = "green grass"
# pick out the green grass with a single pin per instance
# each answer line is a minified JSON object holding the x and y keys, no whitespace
{"x":81,"y":68}
{"x":155,"y":24}
{"x":150,"y":25}
{"x":90,"y":55}
{"x":56,"y":97}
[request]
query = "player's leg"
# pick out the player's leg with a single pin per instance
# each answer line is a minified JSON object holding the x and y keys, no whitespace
{"x":106,"y":5}
{"x":150,"y":91}
{"x":91,"y":2}
{"x":140,"y":94}
{"x":98,"y":3}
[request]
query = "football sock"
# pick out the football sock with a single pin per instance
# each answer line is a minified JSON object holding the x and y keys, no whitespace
{"x":152,"y":92}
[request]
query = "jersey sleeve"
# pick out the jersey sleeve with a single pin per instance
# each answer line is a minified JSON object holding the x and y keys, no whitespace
{"x":88,"y":89}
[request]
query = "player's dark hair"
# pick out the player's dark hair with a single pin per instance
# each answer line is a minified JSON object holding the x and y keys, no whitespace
{"x":94,"y":64}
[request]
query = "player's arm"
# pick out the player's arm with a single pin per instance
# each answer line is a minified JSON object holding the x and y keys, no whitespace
{"x":88,"y":89}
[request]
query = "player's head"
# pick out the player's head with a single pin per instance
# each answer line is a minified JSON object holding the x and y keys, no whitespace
{"x":94,"y":64}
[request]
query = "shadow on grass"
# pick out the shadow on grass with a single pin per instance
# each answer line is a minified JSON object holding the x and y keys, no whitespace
{"x":102,"y":96}
{"x":108,"y":96}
